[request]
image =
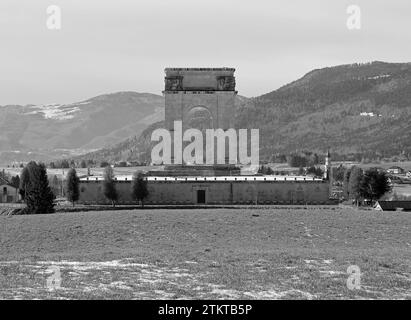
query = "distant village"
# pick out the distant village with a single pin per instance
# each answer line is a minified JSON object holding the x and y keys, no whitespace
{"x":398,"y":177}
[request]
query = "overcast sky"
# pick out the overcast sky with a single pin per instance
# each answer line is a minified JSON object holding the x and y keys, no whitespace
{"x":124,"y":45}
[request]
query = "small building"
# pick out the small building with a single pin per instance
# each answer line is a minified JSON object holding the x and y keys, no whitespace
{"x":393,"y":205}
{"x":8,"y":193}
{"x":395,"y":170}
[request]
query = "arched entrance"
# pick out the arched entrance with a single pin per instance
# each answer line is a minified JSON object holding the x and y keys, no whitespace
{"x":198,"y":117}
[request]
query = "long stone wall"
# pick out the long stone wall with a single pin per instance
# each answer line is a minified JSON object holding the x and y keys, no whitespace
{"x":215,"y":192}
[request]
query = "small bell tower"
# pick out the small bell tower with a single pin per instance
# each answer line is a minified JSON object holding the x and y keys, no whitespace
{"x":328,"y":167}
{"x":328,"y":171}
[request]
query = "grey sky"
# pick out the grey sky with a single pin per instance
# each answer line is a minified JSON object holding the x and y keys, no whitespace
{"x":107,"y":46}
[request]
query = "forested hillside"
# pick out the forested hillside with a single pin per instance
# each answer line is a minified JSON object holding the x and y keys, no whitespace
{"x":358,"y":109}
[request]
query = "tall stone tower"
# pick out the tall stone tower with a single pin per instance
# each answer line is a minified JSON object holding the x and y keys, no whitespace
{"x":201,"y":98}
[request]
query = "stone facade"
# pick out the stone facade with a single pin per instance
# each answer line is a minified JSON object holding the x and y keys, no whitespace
{"x":201,"y":98}
{"x":204,"y":92}
{"x":214,"y":190}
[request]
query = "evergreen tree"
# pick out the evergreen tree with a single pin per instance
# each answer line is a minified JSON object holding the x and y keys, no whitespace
{"x":338,"y":173}
{"x":316,"y":159}
{"x":15,"y":182}
{"x":109,"y":187}
{"x":24,"y":180}
{"x":139,"y":187}
{"x":72,"y":186}
{"x":316,"y":171}
{"x":55,"y":186}
{"x":296,"y":161}
{"x":354,"y":183}
{"x":346,"y":181}
{"x":65,"y":164}
{"x":104,"y":164}
{"x":266,"y":170}
{"x":374,"y":184}
{"x":37,"y":193}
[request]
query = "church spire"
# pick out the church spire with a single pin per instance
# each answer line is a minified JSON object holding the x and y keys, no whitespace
{"x":327,"y":167}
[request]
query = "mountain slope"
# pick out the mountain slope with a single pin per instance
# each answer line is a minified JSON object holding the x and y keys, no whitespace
{"x":88,"y":125}
{"x":137,"y":148}
{"x":360,"y":108}
{"x":353,"y":109}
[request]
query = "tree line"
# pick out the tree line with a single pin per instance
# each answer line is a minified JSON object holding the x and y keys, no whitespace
{"x":139,"y":190}
{"x":36,"y":192}
{"x":360,"y":185}
{"x":66,"y":164}
{"x":35,"y":189}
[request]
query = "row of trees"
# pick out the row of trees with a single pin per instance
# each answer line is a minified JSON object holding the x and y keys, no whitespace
{"x":316,"y":171}
{"x":305,"y":159}
{"x":371,"y":184}
{"x":265,"y":170}
{"x":36,"y":192}
{"x":66,"y":164}
{"x":139,"y":190}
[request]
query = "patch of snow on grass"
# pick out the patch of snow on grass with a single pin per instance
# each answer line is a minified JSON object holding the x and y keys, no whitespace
{"x":232,"y":294}
{"x":272,"y":294}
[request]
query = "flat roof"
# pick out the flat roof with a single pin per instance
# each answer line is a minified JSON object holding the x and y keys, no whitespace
{"x":200,"y":69}
{"x":209,"y":178}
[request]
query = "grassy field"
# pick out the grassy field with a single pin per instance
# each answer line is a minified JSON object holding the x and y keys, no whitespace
{"x":215,"y":254}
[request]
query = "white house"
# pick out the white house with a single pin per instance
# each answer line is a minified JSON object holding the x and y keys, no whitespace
{"x":395,"y":170}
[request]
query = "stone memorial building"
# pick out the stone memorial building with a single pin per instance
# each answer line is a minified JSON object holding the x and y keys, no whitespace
{"x":203,"y":98}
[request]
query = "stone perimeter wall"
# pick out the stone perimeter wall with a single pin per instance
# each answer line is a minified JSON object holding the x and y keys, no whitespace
{"x":218,"y":192}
